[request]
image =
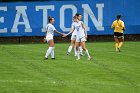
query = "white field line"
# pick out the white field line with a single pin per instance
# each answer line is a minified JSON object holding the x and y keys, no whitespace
{"x":16,"y":81}
{"x":25,"y":81}
{"x":62,"y":82}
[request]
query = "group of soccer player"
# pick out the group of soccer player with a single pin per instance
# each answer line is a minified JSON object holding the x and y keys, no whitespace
{"x":79,"y":36}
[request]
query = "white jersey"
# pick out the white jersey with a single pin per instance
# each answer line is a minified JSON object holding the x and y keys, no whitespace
{"x":80,"y":33}
{"x":75,"y":31}
{"x":50,"y":30}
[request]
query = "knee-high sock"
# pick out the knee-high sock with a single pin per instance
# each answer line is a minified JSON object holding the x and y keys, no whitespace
{"x":78,"y":54}
{"x":80,"y":49}
{"x":75,"y":50}
{"x":69,"y":49}
{"x":120,"y":44}
{"x":48,"y":52}
{"x":52,"y":53}
{"x":116,"y":46}
{"x":87,"y":53}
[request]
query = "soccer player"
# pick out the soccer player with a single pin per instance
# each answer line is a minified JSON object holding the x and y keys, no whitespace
{"x":73,"y":38}
{"x":50,"y":29}
{"x":81,"y":35}
{"x":119,"y":28}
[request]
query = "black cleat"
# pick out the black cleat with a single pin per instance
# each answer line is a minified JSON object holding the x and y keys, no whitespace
{"x":81,"y":54}
{"x":46,"y":58}
{"x":53,"y":58}
{"x":119,"y":49}
{"x":68,"y":53}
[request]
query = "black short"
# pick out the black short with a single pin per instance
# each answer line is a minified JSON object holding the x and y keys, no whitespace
{"x":118,"y":35}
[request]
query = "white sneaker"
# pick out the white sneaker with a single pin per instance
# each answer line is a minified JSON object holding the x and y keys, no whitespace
{"x":89,"y":58}
{"x":81,"y":54}
{"x":78,"y":59}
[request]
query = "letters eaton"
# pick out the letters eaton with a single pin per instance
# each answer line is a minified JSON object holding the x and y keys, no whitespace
{"x":21,"y":12}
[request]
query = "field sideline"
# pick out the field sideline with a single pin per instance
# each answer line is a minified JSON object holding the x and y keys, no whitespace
{"x":24,"y":70}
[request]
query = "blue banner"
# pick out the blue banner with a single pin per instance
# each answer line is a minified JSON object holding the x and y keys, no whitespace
{"x":30,"y":18}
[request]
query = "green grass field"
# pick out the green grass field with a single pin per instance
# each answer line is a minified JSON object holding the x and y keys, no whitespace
{"x":24,"y":70}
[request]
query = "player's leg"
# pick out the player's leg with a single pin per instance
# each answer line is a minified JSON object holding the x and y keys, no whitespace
{"x":81,"y":51}
{"x":75,"y":53}
{"x":52,"y":53}
{"x":50,"y":49}
{"x":77,"y":44}
{"x":71,"y":46}
{"x":52,"y":45}
{"x":120,"y":42}
{"x":85,"y":49}
{"x":116,"y":43}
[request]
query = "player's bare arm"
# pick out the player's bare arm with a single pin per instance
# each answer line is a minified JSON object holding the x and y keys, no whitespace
{"x":83,"y":26}
{"x":69,"y":32}
{"x":58,"y":32}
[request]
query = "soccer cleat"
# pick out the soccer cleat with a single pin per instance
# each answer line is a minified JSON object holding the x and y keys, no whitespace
{"x":68,"y":53}
{"x":119,"y":49}
{"x":46,"y":58}
{"x":53,"y":58}
{"x":75,"y":55}
{"x":78,"y":59}
{"x":81,"y":54}
{"x":89,"y":58}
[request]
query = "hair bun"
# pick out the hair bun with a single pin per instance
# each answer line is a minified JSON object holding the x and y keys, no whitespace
{"x":77,"y":14}
{"x":49,"y":17}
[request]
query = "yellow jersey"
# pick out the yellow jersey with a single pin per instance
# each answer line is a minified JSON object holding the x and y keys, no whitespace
{"x":118,"y":26}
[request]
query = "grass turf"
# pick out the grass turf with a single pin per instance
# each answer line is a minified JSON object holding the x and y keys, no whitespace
{"x":24,"y":70}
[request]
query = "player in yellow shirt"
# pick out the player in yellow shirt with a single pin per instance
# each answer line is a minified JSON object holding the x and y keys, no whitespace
{"x":119,"y":28}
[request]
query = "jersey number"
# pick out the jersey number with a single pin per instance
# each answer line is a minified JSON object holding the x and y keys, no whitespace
{"x":78,"y":29}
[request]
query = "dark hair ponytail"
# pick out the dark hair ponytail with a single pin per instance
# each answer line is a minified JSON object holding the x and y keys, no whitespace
{"x":77,"y":14}
{"x":118,"y":16}
{"x":74,"y":17}
{"x":49,"y":19}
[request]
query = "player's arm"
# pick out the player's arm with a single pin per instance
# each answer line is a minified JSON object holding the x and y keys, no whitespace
{"x":113,"y":26}
{"x":73,"y":28}
{"x":71,"y":31}
{"x":123,"y":26}
{"x":58,"y":32}
{"x":44,"y":39}
{"x":53,"y":28}
{"x":83,"y":26}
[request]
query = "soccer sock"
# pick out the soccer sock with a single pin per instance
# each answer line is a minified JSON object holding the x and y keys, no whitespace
{"x":52,"y":53}
{"x":78,"y":55}
{"x":48,"y":52}
{"x":80,"y":48}
{"x":87,"y":53}
{"x":75,"y":50}
{"x":69,"y":49}
{"x":116,"y":45}
{"x":120,"y":44}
